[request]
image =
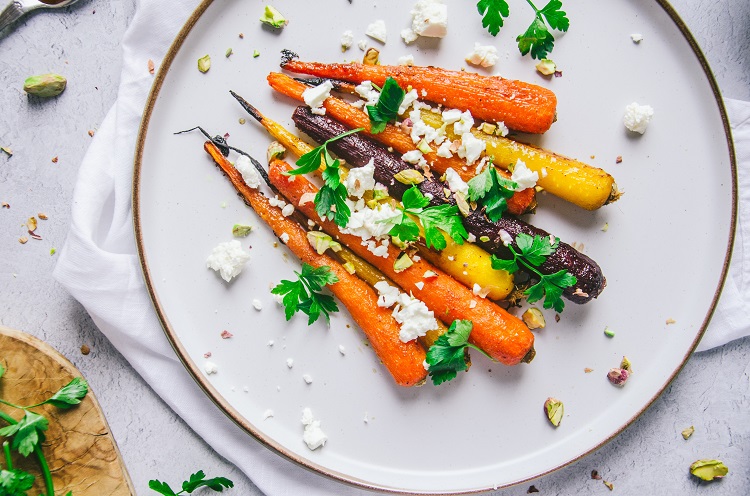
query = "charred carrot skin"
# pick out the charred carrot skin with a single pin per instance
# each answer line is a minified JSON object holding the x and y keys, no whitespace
{"x":503,"y":336}
{"x":358,"y":150}
{"x":403,"y":360}
{"x":522,"y":106}
{"x":393,"y":136}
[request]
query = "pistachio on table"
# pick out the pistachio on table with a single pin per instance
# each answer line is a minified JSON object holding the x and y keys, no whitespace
{"x":708,"y":470}
{"x":45,"y":85}
{"x":554,"y":410}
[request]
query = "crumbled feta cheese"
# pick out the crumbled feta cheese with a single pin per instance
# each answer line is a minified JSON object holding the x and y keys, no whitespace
{"x":464,"y":123}
{"x":636,"y":37}
{"x":267,"y":414}
{"x":342,"y":350}
{"x":425,"y":365}
{"x":377,"y":31}
{"x":471,"y":147}
{"x":445,"y":150}
{"x":502,"y":129}
{"x":366,"y":420}
{"x":471,"y":238}
{"x":544,"y":172}
{"x":360,"y":179}
{"x":368,"y":223}
{"x":284,"y":238}
{"x":455,"y":183}
{"x":210,"y":368}
{"x":347,"y":39}
{"x":257,"y":304}
{"x":412,"y":156}
{"x":407,"y":60}
{"x":472,"y":304}
{"x":249,"y":173}
{"x":414,"y":316}
{"x":451,"y":116}
{"x":408,"y":100}
{"x":483,"y":55}
{"x":419,"y":285}
{"x":307,"y":378}
{"x":505,"y":237}
{"x":287,"y":210}
{"x":523,"y":176}
{"x":270,"y":343}
{"x":362,"y":44}
{"x":637,"y":117}
{"x":316,"y":95}
{"x":290,"y":362}
{"x":479,"y":290}
{"x":430,"y":18}
{"x":313,"y":436}
{"x":421,"y":130}
{"x":366,"y":91}
{"x":277,"y":202}
{"x":228,"y":259}
{"x":388,"y":295}
{"x":408,"y":35}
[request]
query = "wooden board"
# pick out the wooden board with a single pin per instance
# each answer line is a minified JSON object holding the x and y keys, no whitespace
{"x":81,"y":452}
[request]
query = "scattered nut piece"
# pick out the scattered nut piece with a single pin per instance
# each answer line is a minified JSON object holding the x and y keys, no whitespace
{"x":7,"y":151}
{"x":671,"y":321}
{"x":242,"y":121}
{"x":708,"y":470}
{"x":31,"y":224}
{"x":151,"y":66}
{"x":91,"y":132}
{"x":546,"y":67}
{"x":45,"y":85}
{"x":595,"y":475}
{"x":609,"y":332}
{"x":204,"y":63}
{"x":625,"y":364}
{"x":618,"y":160}
{"x":554,"y":410}
{"x":534,"y":319}
{"x":605,"y":228}
{"x":256,"y":54}
{"x":688,"y":432}
{"x":372,"y":57}
{"x":588,"y":370}
{"x":54,"y":159}
{"x":229,"y":52}
{"x":609,"y":485}
{"x":42,"y":216}
{"x":242,"y":36}
{"x":52,"y":251}
{"x":557,"y":317}
{"x":532,"y":489}
{"x":23,"y":240}
{"x":618,"y":377}
{"x":226,"y":334}
{"x":85,"y":350}
{"x":241,"y":231}
{"x":6,"y":205}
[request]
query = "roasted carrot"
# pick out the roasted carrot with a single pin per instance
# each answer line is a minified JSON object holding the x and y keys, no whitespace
{"x":522,"y":106}
{"x":403,"y":360}
{"x":503,"y":336}
{"x":393,"y":136}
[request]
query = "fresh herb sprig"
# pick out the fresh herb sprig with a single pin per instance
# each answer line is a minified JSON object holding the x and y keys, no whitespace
{"x":303,"y":295}
{"x":195,"y":481}
{"x":537,"y":38}
{"x":27,"y":434}
{"x":435,"y":220}
{"x":448,"y":356}
{"x":330,"y":201}
{"x":533,"y":253}
{"x":491,"y":190}
{"x":386,"y":110}
{"x":13,"y":482}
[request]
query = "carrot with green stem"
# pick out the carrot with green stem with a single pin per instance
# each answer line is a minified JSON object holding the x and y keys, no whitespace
{"x":403,"y":360}
{"x":522,"y":106}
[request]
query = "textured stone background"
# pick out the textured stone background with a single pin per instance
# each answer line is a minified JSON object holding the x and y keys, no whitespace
{"x":82,"y":42}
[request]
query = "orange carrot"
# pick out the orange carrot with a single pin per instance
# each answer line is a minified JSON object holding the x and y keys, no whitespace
{"x":503,"y":336}
{"x":403,"y":360}
{"x":394,"y":137}
{"x":522,"y":106}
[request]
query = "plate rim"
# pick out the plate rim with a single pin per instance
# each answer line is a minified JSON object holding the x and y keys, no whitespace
{"x":274,"y":446}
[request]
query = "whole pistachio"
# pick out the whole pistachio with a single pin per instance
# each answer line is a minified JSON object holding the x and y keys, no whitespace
{"x":708,"y":470}
{"x":45,"y":85}
{"x":554,"y":410}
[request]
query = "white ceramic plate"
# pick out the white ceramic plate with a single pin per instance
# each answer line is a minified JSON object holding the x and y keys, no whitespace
{"x":664,"y":254}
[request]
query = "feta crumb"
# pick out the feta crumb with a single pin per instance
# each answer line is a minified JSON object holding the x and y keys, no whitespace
{"x":483,"y":55}
{"x":313,"y":436}
{"x":288,"y":209}
{"x":505,"y":237}
{"x":445,"y":150}
{"x":408,"y":100}
{"x":377,"y":31}
{"x":277,"y":202}
{"x":471,"y":238}
{"x":455,"y":182}
{"x":257,"y":304}
{"x":451,"y":116}
{"x":414,"y":316}
{"x":408,"y":35}
{"x":419,"y":285}
{"x":502,"y":129}
{"x":366,"y":420}
{"x":407,"y":60}
{"x":290,"y":362}
{"x":360,"y":179}
{"x":636,"y":37}
{"x":362,"y":44}
{"x":307,"y":378}
{"x":316,"y":95}
{"x":366,"y":91}
{"x":342,"y":350}
{"x":387,"y":294}
{"x":412,"y":156}
{"x":267,"y":414}
{"x":210,"y":368}
{"x":347,"y":39}
{"x":284,"y":238}
{"x":430,"y":19}
{"x":523,"y":176}
{"x":464,"y":124}
{"x":637,"y":117}
{"x":427,"y":365}
{"x":249,"y":173}
{"x":471,"y":147}
{"x":270,"y":343}
{"x":228,"y":259}
{"x":368,"y":223}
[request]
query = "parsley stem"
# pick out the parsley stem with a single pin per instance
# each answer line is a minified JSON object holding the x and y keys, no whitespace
{"x":6,"y":449}
{"x":533,"y":6}
{"x":49,"y":485}
{"x":8,"y":418}
{"x":526,"y":264}
{"x":480,"y":350}
{"x":11,"y":404}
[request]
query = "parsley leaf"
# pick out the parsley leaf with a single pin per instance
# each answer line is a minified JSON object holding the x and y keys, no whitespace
{"x":537,"y":39}
{"x":195,"y":481}
{"x":330,"y":201}
{"x":161,"y":488}
{"x":386,"y":110}
{"x":491,"y":190}
{"x":2,"y":370}
{"x":435,"y":220}
{"x":493,"y":12}
{"x":15,"y":482}
{"x":304,"y":294}
{"x":70,"y":394}
{"x":533,"y":253}
{"x":448,"y":355}
{"x":310,"y":161}
{"x":27,"y":433}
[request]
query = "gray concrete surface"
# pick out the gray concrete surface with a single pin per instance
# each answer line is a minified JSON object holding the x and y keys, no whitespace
{"x":712,"y":392}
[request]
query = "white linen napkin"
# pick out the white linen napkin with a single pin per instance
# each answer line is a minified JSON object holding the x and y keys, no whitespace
{"x":99,"y":265}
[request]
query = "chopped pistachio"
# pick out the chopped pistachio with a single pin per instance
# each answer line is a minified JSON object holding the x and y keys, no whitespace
{"x":5,"y":205}
{"x":379,"y":194}
{"x":488,"y":128}
{"x":409,"y":176}
{"x":595,"y":475}
{"x":605,"y":228}
{"x":7,"y":151}
{"x":275,"y":150}
{"x":402,"y":263}
{"x":618,"y":160}
{"x":554,"y":410}
{"x":31,"y":224}
{"x":52,"y":251}
{"x":42,"y":216}
{"x":372,"y":57}
{"x":321,"y":242}
{"x":625,"y":364}
{"x":671,"y":321}
{"x":204,"y":63}
{"x":484,"y":239}
{"x":273,"y":18}
{"x":609,"y":332}
{"x":45,"y":85}
{"x":54,"y":159}
{"x":23,"y":240}
{"x":534,"y":318}
{"x":256,"y":54}
{"x":151,"y":66}
{"x":242,"y":121}
{"x":688,"y":432}
{"x":242,"y":35}
{"x":228,"y":53}
{"x":398,"y":243}
{"x":240,"y":230}
{"x":423,"y":146}
{"x":349,"y":268}
{"x":708,"y":470}
{"x":618,"y":377}
{"x":609,"y":485}
{"x":546,"y":67}
{"x":588,"y":370}
{"x":463,"y":205}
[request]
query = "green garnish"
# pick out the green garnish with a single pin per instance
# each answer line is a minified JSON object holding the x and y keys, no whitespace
{"x":303,"y":295}
{"x":14,"y":482}
{"x":241,"y":230}
{"x":434,"y":221}
{"x":447,"y":357}
{"x":204,"y":63}
{"x":537,"y":38}
{"x":330,"y":201}
{"x":534,"y":252}
{"x":273,"y":17}
{"x":386,"y":110}
{"x":195,"y":481}
{"x":491,"y":190}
